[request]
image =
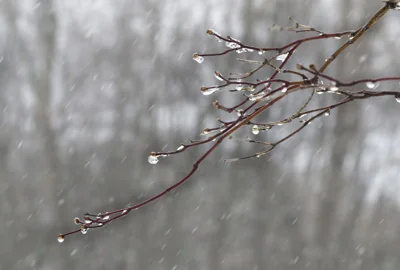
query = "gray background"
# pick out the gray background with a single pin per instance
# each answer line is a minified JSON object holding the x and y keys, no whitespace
{"x":89,"y":88}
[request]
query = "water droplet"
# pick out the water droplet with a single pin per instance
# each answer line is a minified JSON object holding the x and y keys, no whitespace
{"x":218,"y":76}
{"x":60,"y":238}
{"x":303,"y":115}
{"x":255,"y":130}
{"x":199,"y":59}
{"x":370,"y":85}
{"x":284,"y":90}
{"x":327,"y":113}
{"x":398,"y":99}
{"x":338,"y":37}
{"x":334,"y":88}
{"x":181,"y":147}
{"x":239,"y":112}
{"x":153,"y":159}
{"x":124,"y":211}
{"x":282,"y":57}
{"x":261,"y":52}
{"x":208,"y":91}
{"x":84,"y":230}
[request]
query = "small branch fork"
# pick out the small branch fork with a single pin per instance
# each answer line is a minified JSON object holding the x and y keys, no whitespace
{"x":260,"y":96}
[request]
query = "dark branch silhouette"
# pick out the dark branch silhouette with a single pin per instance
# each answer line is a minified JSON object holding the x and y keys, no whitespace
{"x":262,"y":95}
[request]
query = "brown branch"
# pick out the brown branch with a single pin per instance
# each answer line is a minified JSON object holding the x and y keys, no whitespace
{"x":260,"y":96}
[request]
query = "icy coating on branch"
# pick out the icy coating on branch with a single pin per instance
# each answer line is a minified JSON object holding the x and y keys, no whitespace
{"x":260,"y":96}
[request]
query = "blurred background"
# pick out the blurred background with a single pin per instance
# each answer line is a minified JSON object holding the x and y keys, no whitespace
{"x":89,"y":88}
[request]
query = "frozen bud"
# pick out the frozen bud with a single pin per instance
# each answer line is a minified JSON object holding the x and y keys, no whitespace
{"x":255,"y":130}
{"x":210,"y":32}
{"x":77,"y":221}
{"x":216,"y":104}
{"x":84,"y":229}
{"x":208,"y":91}
{"x":152,"y":159}
{"x":218,"y":76}
{"x":199,"y":59}
{"x":60,"y":238}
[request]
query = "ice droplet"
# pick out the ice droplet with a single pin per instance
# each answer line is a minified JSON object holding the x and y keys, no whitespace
{"x":218,"y":76}
{"x":284,"y":90}
{"x":249,"y":88}
{"x":199,"y":59}
{"x":327,"y":113}
{"x":181,"y":147}
{"x":256,"y":97}
{"x":242,"y":50}
{"x":334,"y":88}
{"x":84,"y":230}
{"x":239,"y":87}
{"x":370,"y":85}
{"x":398,"y":99}
{"x":208,"y":91}
{"x":239,"y":112}
{"x":232,"y":45}
{"x":282,"y":57}
{"x":255,"y":130}
{"x":153,"y":159}
{"x":60,"y":238}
